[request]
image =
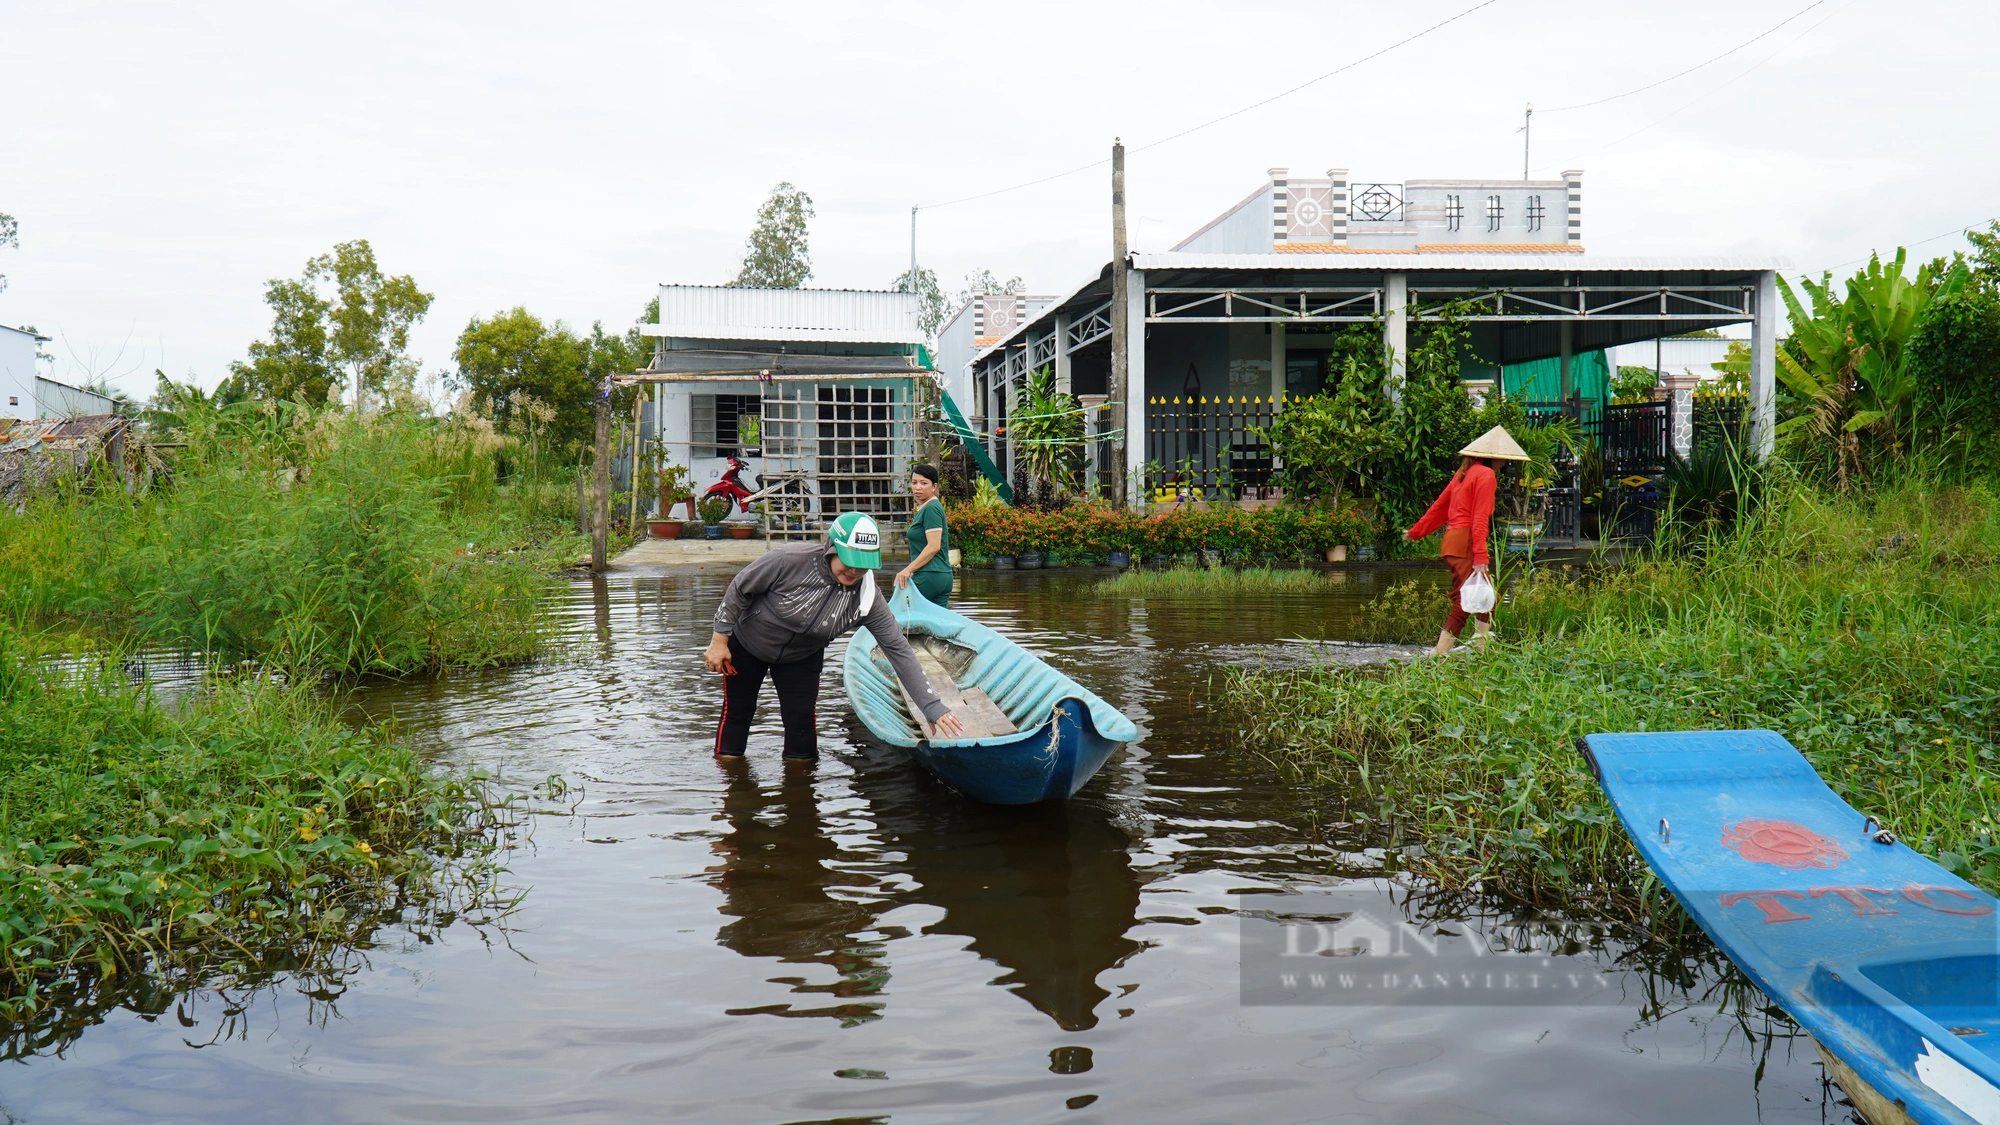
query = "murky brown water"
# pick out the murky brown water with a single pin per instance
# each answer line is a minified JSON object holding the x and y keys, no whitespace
{"x":856,"y":943}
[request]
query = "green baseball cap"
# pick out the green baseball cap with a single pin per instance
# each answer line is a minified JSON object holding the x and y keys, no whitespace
{"x":857,"y":541}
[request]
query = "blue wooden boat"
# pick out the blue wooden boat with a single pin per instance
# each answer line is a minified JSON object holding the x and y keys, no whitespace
{"x":1034,"y":734}
{"x":1891,"y":962}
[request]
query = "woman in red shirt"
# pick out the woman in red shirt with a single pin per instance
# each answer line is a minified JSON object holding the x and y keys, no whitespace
{"x":1465,"y":511}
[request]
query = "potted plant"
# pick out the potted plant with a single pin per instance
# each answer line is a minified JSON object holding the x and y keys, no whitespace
{"x":714,"y":510}
{"x":671,"y":481}
{"x":741,"y":530}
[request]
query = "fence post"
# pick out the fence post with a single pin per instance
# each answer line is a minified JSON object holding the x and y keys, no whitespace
{"x":600,"y":485}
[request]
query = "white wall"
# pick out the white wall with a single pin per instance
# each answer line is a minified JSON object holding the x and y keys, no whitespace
{"x":17,"y":373}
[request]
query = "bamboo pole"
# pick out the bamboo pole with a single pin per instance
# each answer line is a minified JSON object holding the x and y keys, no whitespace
{"x":600,"y":486}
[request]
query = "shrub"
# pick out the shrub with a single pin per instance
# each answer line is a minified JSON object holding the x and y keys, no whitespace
{"x":1093,"y":529}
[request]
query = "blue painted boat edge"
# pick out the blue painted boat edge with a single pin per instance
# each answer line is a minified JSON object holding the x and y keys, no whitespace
{"x":1830,"y":988}
{"x":1095,"y":728}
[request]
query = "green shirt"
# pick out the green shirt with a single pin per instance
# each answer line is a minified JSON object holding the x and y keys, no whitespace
{"x":921,"y":521}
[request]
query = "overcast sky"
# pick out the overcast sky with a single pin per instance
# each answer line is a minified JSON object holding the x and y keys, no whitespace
{"x":165,"y":160}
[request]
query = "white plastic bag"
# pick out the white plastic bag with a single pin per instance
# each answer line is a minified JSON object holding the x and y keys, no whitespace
{"x":1477,"y":594}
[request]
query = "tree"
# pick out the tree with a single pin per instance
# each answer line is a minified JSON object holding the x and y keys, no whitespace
{"x":777,"y":256}
{"x":982,"y":281}
{"x":10,"y":235}
{"x":341,"y":323}
{"x":512,"y":358}
{"x":932,"y":306}
{"x":1633,"y":384}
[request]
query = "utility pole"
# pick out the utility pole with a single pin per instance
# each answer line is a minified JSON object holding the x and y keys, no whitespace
{"x":600,"y":485}
{"x":1121,"y":327}
{"x":1527,"y":119}
{"x":913,"y":250}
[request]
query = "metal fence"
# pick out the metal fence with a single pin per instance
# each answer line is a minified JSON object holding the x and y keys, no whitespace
{"x":1638,"y":445}
{"x":1207,"y":443}
{"x":1720,"y":420}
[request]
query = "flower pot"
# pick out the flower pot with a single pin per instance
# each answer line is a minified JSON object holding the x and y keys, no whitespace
{"x":954,"y":558}
{"x":1161,"y":560}
{"x":740,"y":530}
{"x":1121,"y":559}
{"x":1364,"y":553}
{"x":1028,"y":560}
{"x":664,"y":529}
{"x":711,"y":531}
{"x":1003,"y":562}
{"x":1337,"y":554}
{"x":1211,"y":558}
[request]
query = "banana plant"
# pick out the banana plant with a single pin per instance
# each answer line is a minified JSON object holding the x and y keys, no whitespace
{"x":1852,"y":366}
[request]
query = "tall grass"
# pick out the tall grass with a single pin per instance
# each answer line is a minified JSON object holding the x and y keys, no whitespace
{"x":1194,"y":582}
{"x":241,"y":831}
{"x":1867,"y":630}
{"x":307,"y":541}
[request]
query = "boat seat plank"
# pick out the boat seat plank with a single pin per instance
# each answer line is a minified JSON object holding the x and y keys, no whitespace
{"x":981,"y":716}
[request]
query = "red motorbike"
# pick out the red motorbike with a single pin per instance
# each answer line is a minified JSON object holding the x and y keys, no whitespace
{"x":731,"y":487}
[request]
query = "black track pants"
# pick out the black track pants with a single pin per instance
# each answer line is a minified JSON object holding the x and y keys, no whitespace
{"x":798,"y":694}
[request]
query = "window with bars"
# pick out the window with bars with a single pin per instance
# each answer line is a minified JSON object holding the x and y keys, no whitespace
{"x":712,"y":423}
{"x":1492,"y":212}
{"x":1535,"y":212}
{"x":858,"y":467}
{"x":1454,"y":212}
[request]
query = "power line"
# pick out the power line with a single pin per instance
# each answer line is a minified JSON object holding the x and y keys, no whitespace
{"x":1919,"y":242}
{"x":1741,"y":75}
{"x":1690,"y":70}
{"x":1405,"y":41}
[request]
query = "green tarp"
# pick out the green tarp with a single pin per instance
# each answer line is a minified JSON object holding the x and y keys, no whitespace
{"x":974,"y":446}
{"x":1541,"y":380}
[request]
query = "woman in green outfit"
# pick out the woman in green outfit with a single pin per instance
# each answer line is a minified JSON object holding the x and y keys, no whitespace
{"x":930,"y":539}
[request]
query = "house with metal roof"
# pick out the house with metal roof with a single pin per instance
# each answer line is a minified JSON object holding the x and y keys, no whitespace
{"x":836,"y":379}
{"x":979,"y":324}
{"x":1235,"y":320}
{"x":26,"y":393}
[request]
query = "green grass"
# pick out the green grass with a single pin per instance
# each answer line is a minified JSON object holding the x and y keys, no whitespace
{"x":1866,"y":630}
{"x":1194,"y":582}
{"x":239,"y":831}
{"x":309,"y":542}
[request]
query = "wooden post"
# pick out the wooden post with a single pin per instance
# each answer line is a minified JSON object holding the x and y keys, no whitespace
{"x":1121,"y":327}
{"x":600,"y":485}
{"x":638,"y":419}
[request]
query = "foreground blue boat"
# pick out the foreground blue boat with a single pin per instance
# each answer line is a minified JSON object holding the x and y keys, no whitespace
{"x":1890,"y":961}
{"x":1037,"y":734}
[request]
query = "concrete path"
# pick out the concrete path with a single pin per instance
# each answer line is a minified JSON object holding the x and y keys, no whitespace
{"x":689,"y":555}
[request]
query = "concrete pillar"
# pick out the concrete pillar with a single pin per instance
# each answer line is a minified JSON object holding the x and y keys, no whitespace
{"x":1277,"y":362}
{"x":1679,"y":391}
{"x":989,"y":423}
{"x":1135,"y":394}
{"x":1396,"y":331}
{"x":1063,"y":385}
{"x":1764,"y":364}
{"x":1094,"y":423}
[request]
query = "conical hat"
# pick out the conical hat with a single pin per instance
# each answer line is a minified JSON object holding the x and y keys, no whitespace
{"x":1496,"y":443}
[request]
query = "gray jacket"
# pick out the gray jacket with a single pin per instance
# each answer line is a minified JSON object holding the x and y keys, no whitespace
{"x":787,"y":605}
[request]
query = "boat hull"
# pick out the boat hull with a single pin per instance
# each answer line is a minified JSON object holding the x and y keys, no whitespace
{"x":1065,"y":733}
{"x":1888,"y":960}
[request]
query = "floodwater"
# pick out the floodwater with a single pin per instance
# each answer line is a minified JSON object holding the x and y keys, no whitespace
{"x":855,"y":943}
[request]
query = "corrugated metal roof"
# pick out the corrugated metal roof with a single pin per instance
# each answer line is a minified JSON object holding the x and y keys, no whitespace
{"x":1433,"y":260}
{"x":851,"y":316}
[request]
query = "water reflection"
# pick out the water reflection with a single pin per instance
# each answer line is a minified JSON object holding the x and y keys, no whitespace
{"x":777,"y":878}
{"x":1046,"y":892}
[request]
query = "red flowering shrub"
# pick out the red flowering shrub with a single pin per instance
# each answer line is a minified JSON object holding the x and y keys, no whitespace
{"x":1095,"y":530}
